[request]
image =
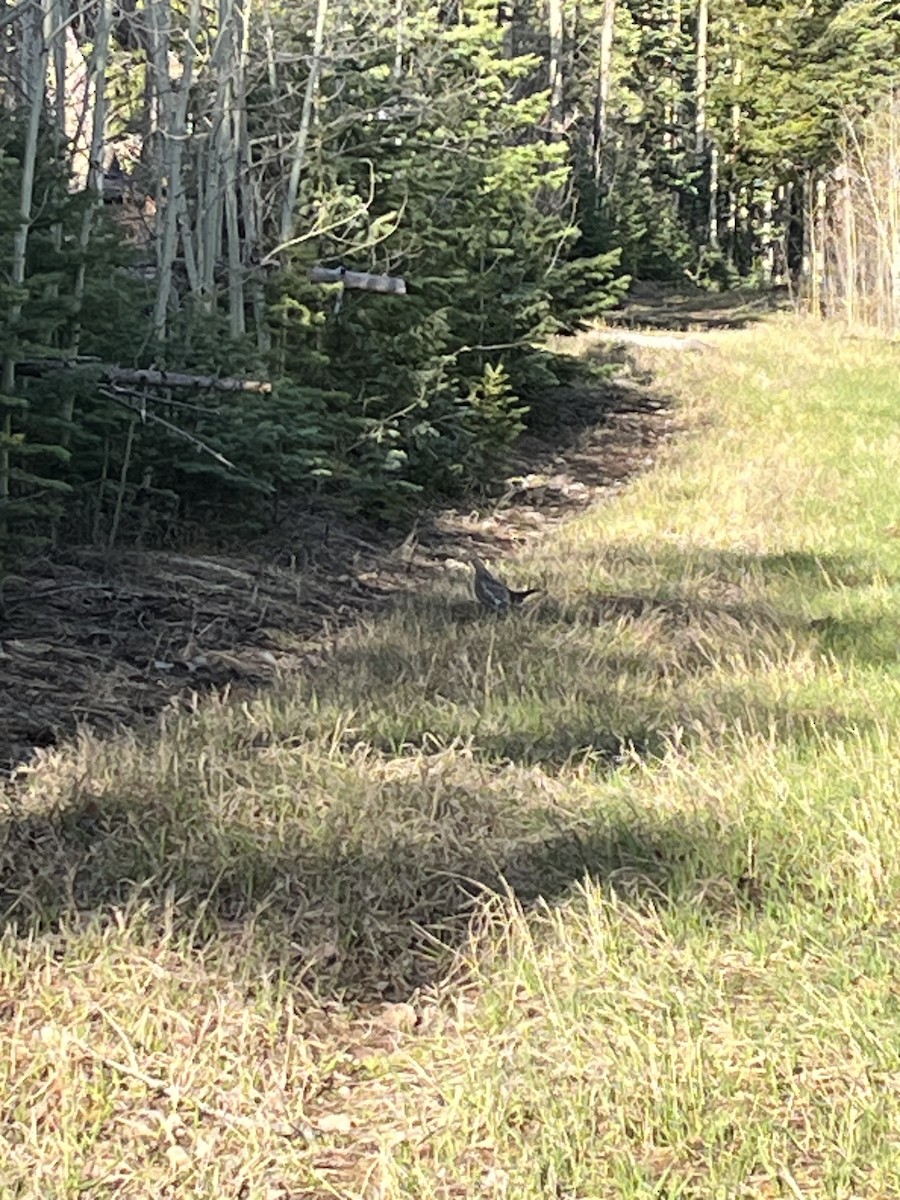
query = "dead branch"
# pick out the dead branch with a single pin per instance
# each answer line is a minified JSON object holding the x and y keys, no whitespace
{"x":110,"y":373}
{"x":359,"y":279}
{"x":145,"y":415}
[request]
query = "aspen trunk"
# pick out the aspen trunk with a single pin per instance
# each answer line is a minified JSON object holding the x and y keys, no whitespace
{"x":893,"y":214}
{"x":36,"y":34}
{"x":298,"y":153}
{"x":602,"y":95}
{"x":555,"y":69}
{"x":849,"y":245}
{"x":97,"y":83}
{"x":98,"y":66}
{"x":713,"y":215}
{"x":230,"y":132}
{"x":174,"y":140}
{"x":159,"y":86}
{"x":734,"y":190}
{"x":57,"y":56}
{"x":670,"y":109}
{"x":249,"y":184}
{"x":700,"y":80}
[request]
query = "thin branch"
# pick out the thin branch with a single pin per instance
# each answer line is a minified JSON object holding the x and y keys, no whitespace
{"x":177,"y":430}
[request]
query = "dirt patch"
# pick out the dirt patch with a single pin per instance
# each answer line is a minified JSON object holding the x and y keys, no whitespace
{"x":89,"y":640}
{"x":666,"y":307}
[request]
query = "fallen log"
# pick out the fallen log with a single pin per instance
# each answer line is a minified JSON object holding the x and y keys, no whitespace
{"x":110,"y":373}
{"x":359,"y":279}
{"x":113,"y":374}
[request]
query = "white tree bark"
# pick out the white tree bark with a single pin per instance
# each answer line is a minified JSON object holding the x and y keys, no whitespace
{"x":230,"y":134}
{"x":174,"y":138}
{"x":601,"y":99}
{"x":298,"y":153}
{"x":700,"y":79}
{"x":555,"y":69}
{"x":37,"y":20}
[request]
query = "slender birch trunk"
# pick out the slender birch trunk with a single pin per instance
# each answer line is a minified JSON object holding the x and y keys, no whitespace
{"x":37,"y":32}
{"x":298,"y":153}
{"x":701,"y":80}
{"x":251,"y":198}
{"x":97,"y":84}
{"x":57,"y":56}
{"x":555,"y":69}
{"x":172,"y":156}
{"x":159,"y":83}
{"x":734,"y":192}
{"x":602,"y":94}
{"x":230,"y":132}
{"x":671,"y":138}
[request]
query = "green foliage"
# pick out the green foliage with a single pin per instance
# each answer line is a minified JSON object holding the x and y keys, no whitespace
{"x":32,"y":316}
{"x":429,"y":156}
{"x":474,"y":211}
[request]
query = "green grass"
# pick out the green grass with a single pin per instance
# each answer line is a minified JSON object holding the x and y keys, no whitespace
{"x":598,"y":901}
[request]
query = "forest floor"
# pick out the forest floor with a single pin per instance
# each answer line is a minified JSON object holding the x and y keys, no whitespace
{"x":598,"y":900}
{"x":101,"y":641}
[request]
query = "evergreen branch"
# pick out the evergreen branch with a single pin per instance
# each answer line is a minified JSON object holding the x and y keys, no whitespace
{"x":185,"y":404}
{"x":144,"y":415}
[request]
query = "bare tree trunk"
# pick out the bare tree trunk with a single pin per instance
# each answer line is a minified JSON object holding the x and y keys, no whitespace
{"x":159,"y":84}
{"x":705,"y":150}
{"x":734,"y":197}
{"x":818,"y":200}
{"x":767,"y":236}
{"x":99,"y":61}
{"x":98,"y":65}
{"x":251,"y":199}
{"x":230,"y":133}
{"x":172,"y":155}
{"x":555,"y":69}
{"x":671,"y":136}
{"x":210,"y":195}
{"x":713,"y":220}
{"x":399,"y":7}
{"x":849,"y":267}
{"x":602,"y":94}
{"x":57,"y":56}
{"x":36,"y":33}
{"x":700,"y":80}
{"x":893,"y":213}
{"x":58,"y":50}
{"x":298,"y":153}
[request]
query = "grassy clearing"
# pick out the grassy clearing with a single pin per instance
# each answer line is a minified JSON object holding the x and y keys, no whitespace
{"x":596,"y":902}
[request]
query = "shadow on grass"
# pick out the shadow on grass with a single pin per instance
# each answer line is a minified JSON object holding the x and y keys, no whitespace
{"x":368,"y":897}
{"x":684,"y":308}
{"x":365,"y":924}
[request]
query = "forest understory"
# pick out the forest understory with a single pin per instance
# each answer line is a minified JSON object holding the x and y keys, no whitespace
{"x":104,"y":641}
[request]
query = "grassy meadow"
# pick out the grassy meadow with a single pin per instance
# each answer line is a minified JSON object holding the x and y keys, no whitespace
{"x":601,"y":900}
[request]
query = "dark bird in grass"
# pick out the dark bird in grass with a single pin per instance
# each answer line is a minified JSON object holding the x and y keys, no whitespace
{"x":493,"y":592}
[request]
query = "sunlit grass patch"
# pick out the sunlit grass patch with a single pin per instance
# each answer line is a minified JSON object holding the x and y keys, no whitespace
{"x":596,"y":900}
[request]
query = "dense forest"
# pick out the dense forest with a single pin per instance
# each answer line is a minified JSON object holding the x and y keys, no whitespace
{"x":183,"y":186}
